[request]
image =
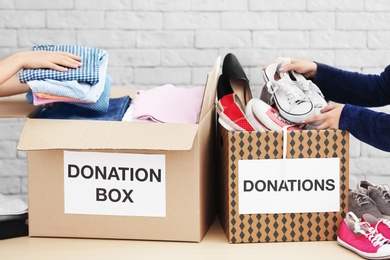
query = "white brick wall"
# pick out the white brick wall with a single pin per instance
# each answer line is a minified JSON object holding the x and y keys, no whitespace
{"x":153,"y":42}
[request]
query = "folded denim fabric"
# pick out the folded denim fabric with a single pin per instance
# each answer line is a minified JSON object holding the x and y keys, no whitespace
{"x":100,"y":105}
{"x":72,"y":88}
{"x":116,"y":109}
{"x":88,"y":72}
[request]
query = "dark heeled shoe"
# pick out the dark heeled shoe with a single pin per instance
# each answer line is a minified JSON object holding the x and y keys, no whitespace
{"x":238,"y":81}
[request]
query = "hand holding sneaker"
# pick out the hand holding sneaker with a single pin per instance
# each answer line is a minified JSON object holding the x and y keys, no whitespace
{"x":358,"y":91}
{"x":291,"y":102}
{"x":308,"y":88}
{"x":329,"y":117}
{"x":307,"y":68}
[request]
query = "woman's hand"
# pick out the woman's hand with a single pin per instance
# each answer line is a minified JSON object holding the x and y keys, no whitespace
{"x":11,"y":65}
{"x":328,"y":119}
{"x":305,"y":67}
{"x":60,"y":61}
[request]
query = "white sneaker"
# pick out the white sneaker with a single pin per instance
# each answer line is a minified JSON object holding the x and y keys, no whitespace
{"x":290,"y":100}
{"x":256,"y":123}
{"x":263,"y":117}
{"x":310,"y":89}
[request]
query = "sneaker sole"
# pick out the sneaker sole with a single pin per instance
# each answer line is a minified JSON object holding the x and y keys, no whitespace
{"x":231,"y":127}
{"x":361,"y":253}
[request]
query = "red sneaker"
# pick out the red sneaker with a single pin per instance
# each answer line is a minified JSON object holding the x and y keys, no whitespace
{"x":231,"y":114}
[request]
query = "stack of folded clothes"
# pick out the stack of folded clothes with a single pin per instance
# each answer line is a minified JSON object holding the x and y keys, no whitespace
{"x":88,"y":86}
{"x":13,"y":217}
{"x":81,"y":93}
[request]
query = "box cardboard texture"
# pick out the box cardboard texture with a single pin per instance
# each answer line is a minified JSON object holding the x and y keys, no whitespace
{"x":252,"y":228}
{"x":189,"y":151}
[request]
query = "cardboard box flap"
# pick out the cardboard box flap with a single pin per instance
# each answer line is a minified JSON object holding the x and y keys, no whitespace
{"x":210,"y":89}
{"x":15,"y":107}
{"x":44,"y":134}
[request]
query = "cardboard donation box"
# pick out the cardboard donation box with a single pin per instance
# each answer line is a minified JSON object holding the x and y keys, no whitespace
{"x":122,"y":180}
{"x":277,"y":190}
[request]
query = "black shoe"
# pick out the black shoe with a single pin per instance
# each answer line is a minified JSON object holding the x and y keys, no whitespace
{"x":235,"y":80}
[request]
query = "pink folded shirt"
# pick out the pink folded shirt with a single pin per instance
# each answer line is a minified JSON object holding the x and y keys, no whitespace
{"x":42,"y":99}
{"x":168,"y":104}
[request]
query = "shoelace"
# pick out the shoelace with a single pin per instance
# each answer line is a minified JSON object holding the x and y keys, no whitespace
{"x":384,"y":191}
{"x":361,"y":198}
{"x":364,"y":228}
{"x":308,"y":86}
{"x":292,"y":95}
{"x":304,"y":86}
{"x":376,"y":239}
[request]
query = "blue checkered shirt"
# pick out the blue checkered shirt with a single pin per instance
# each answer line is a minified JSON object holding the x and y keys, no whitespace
{"x":88,"y":72}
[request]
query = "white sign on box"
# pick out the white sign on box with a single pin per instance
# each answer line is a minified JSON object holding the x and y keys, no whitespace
{"x":114,"y":184}
{"x":269,"y":186}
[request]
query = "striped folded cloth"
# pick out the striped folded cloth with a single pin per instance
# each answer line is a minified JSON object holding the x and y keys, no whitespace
{"x":87,"y":73}
{"x":100,"y":105}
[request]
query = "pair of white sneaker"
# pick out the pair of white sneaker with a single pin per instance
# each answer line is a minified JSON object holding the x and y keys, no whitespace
{"x":295,"y":97}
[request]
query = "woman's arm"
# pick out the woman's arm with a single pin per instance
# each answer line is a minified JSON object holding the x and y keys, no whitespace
{"x":355,"y":90}
{"x":367,"y":90}
{"x":13,"y":87}
{"x":11,"y":65}
{"x":343,"y":86}
{"x":367,"y":125}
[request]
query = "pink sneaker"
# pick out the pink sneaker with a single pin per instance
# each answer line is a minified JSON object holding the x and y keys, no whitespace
{"x":380,"y":224}
{"x":264,"y":117}
{"x":359,"y":237}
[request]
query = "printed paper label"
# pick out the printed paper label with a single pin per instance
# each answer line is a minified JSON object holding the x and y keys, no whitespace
{"x":289,"y":186}
{"x":114,"y":184}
